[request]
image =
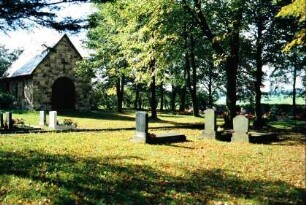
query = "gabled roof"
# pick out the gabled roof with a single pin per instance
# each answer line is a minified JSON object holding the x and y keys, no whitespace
{"x":29,"y":67}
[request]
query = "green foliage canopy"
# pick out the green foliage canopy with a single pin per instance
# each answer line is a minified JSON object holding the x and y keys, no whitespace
{"x":296,"y":9}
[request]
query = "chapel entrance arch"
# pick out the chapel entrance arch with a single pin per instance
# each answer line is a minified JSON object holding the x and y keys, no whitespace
{"x":63,"y":94}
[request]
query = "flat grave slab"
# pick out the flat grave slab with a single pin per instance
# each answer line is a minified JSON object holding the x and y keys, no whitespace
{"x":142,"y":134}
{"x":165,"y":138}
{"x":262,"y":137}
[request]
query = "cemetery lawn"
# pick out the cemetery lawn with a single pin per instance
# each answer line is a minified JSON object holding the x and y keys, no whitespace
{"x":107,"y":168}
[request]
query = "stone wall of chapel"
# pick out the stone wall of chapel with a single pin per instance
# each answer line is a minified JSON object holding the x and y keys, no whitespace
{"x":60,"y":62}
{"x":21,"y":89}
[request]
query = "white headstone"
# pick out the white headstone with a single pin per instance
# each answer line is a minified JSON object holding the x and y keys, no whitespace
{"x":210,"y":124}
{"x":241,"y":124}
{"x":9,"y":120}
{"x":52,"y":119}
{"x":42,"y":118}
{"x":210,"y":121}
{"x":241,"y":129}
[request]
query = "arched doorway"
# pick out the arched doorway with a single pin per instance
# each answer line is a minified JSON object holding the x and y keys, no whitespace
{"x":63,"y":94}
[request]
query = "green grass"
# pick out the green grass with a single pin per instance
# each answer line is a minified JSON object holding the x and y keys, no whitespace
{"x":288,"y":124}
{"x":107,"y":168}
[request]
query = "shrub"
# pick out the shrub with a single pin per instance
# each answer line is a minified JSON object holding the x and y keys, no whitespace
{"x":6,"y":100}
{"x":69,"y":122}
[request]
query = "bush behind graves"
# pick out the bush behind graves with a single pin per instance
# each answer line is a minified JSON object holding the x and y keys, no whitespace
{"x":6,"y":100}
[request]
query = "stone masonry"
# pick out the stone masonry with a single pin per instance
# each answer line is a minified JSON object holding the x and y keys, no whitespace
{"x":34,"y":91}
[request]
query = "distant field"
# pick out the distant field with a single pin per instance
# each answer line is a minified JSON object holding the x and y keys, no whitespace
{"x":275,"y":99}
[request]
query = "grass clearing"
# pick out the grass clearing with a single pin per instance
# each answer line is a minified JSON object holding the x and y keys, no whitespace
{"x":107,"y":168}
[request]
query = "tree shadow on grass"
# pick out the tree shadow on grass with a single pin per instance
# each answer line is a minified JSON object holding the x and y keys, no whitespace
{"x":110,"y":115}
{"x":113,"y":180}
{"x":96,"y":114}
{"x":177,"y":124}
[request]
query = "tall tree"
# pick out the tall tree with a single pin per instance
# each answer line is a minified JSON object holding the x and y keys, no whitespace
{"x":108,"y":61}
{"x":190,"y":67}
{"x":227,"y":33}
{"x":261,"y":31}
{"x":296,"y":10}
{"x":149,"y":40}
{"x":138,"y":33}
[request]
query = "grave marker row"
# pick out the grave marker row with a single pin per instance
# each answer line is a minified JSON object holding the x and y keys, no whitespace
{"x":240,"y":127}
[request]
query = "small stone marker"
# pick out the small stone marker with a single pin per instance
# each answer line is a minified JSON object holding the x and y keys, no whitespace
{"x":52,"y":119}
{"x":42,"y":118}
{"x":210,"y":124}
{"x":241,"y":129}
{"x":1,"y":120}
{"x":9,"y":121}
{"x":141,"y":127}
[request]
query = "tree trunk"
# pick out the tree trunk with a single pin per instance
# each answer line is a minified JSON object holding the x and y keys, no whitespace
{"x":294,"y":86}
{"x":193,"y":87}
{"x":161,"y":108}
{"x":231,"y":68}
{"x":153,"y":101}
{"x":231,"y":62}
{"x":191,"y":77}
{"x":259,"y":74}
{"x":137,"y":91}
{"x":231,"y":96}
{"x":182,"y":94}
{"x":173,"y":96}
{"x":140,"y":102}
{"x":120,"y":92}
{"x":210,"y":97}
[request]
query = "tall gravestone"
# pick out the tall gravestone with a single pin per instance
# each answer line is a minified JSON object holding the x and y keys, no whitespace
{"x":210,"y":124}
{"x":42,"y":118}
{"x":1,"y":120}
{"x":241,"y":129}
{"x":141,"y":127}
{"x":52,"y":119}
{"x":9,"y":120}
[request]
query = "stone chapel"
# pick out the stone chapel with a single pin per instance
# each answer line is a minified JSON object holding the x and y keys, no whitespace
{"x":49,"y":82}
